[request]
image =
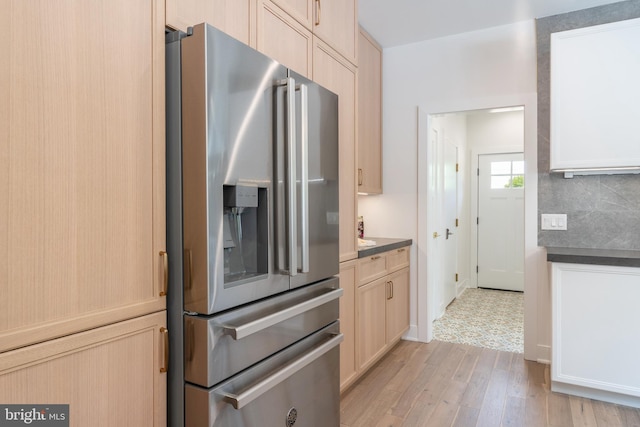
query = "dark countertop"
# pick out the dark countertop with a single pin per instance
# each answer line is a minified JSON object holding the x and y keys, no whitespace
{"x":383,"y":244}
{"x":613,"y":257}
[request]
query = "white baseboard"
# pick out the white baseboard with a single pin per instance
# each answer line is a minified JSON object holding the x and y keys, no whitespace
{"x":590,"y":393}
{"x":461,"y":286}
{"x":411,"y":334}
{"x":544,"y":354}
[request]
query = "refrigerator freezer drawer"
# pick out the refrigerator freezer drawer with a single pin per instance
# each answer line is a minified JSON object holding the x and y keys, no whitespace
{"x":217,"y":347}
{"x":298,"y":386}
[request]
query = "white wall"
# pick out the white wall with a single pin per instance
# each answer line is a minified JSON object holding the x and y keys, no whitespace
{"x":482,"y":69}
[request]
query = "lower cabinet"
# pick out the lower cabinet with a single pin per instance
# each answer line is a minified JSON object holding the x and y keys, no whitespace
{"x":109,"y":376}
{"x":374,"y":310}
{"x":595,"y":322}
{"x":348,"y":280}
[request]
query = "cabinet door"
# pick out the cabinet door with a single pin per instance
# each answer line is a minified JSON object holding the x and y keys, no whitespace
{"x":348,"y":274}
{"x":336,"y":23}
{"x":369,"y":115}
{"x":301,"y":10}
{"x":234,"y":17}
{"x":339,"y":76}
{"x":370,"y":329}
{"x":108,"y":376}
{"x":282,"y":38}
{"x":397,"y":305}
{"x":82,"y":193}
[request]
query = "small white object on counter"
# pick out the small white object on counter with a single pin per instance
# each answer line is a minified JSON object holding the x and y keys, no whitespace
{"x":366,"y":243}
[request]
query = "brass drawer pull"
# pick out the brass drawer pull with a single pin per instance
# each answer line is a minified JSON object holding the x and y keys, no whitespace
{"x":373,"y":258}
{"x":165,"y":333}
{"x":165,"y":280}
{"x":401,"y":250}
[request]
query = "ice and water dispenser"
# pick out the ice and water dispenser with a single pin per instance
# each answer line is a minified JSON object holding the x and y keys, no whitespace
{"x":245,"y":229}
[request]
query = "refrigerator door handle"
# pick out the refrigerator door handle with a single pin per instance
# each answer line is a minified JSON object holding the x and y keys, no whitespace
{"x":238,"y":332}
{"x":238,"y":401}
{"x":304,"y":179}
{"x":291,"y":177}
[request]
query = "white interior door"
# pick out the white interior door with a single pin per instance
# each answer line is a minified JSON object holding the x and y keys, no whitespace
{"x":449,"y":220}
{"x":501,"y":221}
{"x":436,"y":254}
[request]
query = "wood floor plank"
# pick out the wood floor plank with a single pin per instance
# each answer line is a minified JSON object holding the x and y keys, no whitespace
{"x":582,"y":412}
{"x":378,"y":409}
{"x":514,"y":412}
{"x":559,"y":410}
{"x":494,"y":399}
{"x":466,"y":417}
{"x":445,"y":411}
{"x":606,"y":415}
{"x":474,"y":394}
{"x":413,"y":391}
{"x":464,"y":371}
{"x":503,"y":361}
{"x":630,"y":417}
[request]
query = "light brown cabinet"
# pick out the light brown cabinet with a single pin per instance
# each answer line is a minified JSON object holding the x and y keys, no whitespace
{"x":382,"y":301}
{"x":371,"y":322}
{"x":82,"y":209}
{"x":109,"y":376}
{"x":234,"y":17}
{"x":283,"y":38}
{"x":348,"y":278}
{"x":397,"y":305}
{"x":333,"y":21}
{"x":336,"y":23}
{"x":82,"y":181}
{"x":369,"y":115}
{"x":340,"y":76}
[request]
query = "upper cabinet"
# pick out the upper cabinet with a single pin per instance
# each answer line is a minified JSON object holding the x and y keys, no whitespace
{"x":234,"y":17}
{"x":82,"y":181}
{"x":332,"y":71}
{"x":336,"y":23}
{"x":333,"y":21}
{"x":594,"y":98}
{"x":369,"y":115}
{"x":283,"y":38}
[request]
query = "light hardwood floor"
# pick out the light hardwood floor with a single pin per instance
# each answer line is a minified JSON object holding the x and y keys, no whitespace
{"x":443,"y":384}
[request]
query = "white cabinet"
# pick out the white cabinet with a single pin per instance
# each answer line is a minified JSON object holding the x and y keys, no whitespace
{"x":595,"y":93}
{"x":596,"y":343}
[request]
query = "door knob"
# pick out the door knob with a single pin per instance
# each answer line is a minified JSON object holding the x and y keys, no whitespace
{"x":449,"y":233}
{"x":435,"y":235}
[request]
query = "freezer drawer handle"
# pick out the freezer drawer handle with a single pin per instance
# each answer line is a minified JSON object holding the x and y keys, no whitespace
{"x":243,"y":331}
{"x":238,"y":401}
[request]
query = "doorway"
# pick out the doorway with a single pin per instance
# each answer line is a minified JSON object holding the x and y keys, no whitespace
{"x":458,"y":139}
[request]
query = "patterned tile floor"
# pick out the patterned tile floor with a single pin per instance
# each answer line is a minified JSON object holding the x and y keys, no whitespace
{"x":484,"y":318}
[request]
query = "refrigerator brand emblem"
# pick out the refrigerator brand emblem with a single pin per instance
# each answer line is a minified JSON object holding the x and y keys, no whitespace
{"x":292,"y":416}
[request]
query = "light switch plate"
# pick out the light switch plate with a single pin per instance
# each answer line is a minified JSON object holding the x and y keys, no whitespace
{"x":553,"y":221}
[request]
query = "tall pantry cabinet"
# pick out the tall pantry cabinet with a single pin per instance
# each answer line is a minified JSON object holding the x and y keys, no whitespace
{"x":82,"y":214}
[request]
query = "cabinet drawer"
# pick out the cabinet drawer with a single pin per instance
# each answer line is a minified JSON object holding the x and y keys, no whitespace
{"x":397,"y":259}
{"x":372,"y":267}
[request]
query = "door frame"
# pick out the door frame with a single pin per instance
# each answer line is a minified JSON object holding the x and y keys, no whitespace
{"x":536,"y":330}
{"x":473,"y":256}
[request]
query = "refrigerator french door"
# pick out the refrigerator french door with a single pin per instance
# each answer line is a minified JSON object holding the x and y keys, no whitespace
{"x":252,"y":207}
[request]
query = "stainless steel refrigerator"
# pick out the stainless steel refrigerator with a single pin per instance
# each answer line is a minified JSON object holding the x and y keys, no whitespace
{"x":252,"y":207}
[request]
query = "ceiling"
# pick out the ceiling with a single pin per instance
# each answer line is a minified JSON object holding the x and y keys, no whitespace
{"x":398,"y":22}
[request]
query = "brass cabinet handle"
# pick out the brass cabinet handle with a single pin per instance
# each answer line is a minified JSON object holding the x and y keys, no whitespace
{"x":165,"y":280}
{"x":373,"y":258}
{"x":401,"y":250}
{"x":360,"y":179}
{"x":318,"y":11}
{"x":165,"y":333}
{"x":391,"y":289}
